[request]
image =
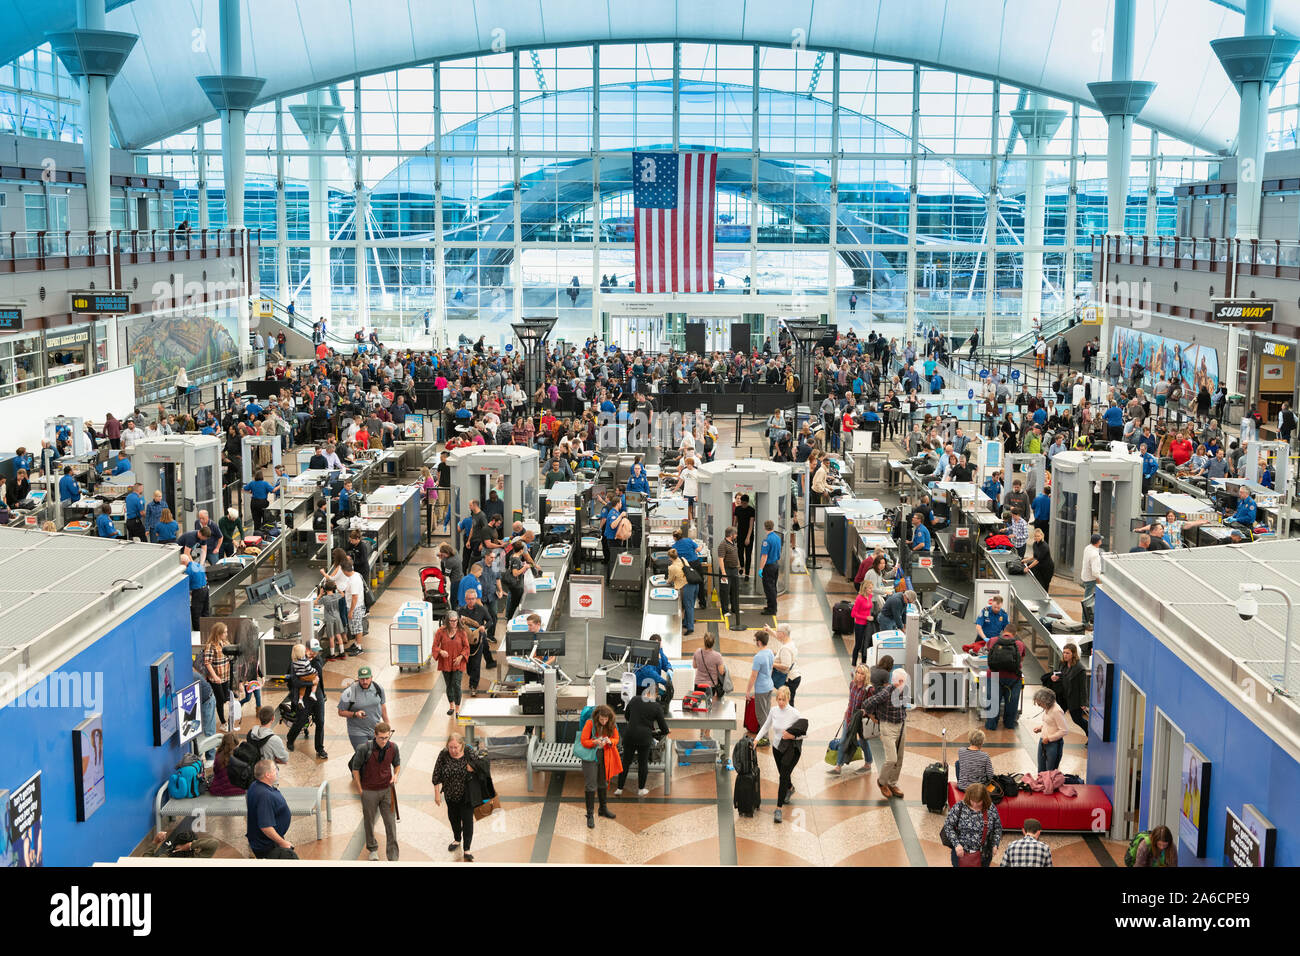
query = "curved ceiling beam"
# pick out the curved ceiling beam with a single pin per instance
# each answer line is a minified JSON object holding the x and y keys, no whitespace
{"x":1054,"y":46}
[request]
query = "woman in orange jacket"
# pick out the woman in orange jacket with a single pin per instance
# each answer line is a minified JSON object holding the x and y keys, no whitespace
{"x":600,"y":740}
{"x":451,"y":649}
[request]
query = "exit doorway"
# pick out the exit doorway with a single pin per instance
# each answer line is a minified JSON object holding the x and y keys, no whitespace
{"x":1128,"y":759}
{"x":1166,"y":773}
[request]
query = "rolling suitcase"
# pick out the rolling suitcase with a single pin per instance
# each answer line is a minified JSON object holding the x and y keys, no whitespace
{"x":842,"y":618}
{"x":746,"y":794}
{"x":934,"y":782}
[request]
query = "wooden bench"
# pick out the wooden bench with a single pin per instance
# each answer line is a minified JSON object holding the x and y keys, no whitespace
{"x":302,"y":801}
{"x":554,"y":757}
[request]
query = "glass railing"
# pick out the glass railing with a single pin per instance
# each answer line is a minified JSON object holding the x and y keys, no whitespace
{"x":73,"y":244}
{"x":1192,"y":249}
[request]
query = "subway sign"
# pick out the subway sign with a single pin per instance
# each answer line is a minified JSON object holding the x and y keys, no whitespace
{"x":101,"y":302}
{"x":1243,"y":311}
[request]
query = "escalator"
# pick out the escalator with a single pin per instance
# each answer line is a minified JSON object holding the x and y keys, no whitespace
{"x":297,"y":332}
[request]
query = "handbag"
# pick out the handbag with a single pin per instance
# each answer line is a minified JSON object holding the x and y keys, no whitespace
{"x":529,"y":582}
{"x":976,"y":859}
{"x":751,"y":716}
{"x":833,"y":748}
{"x":486,"y":808}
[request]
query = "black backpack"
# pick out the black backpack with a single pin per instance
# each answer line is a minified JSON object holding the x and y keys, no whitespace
{"x":1004,"y":655}
{"x":240,"y":767}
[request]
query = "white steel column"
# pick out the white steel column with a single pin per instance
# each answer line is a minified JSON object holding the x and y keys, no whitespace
{"x":361,"y":219}
{"x":281,"y":212}
{"x":991,"y":222}
{"x":1152,"y":227}
{"x":1072,"y":208}
{"x":517,"y":175}
{"x":439,"y":247}
{"x":94,"y":56}
{"x":1120,"y":100}
{"x":233,"y":94}
{"x":833,"y":255}
{"x":317,"y":123}
{"x":201,"y":150}
{"x":1037,"y":126}
{"x":596,"y":212}
{"x":913,"y":184}
{"x":1254,"y":62}
{"x":752,"y":289}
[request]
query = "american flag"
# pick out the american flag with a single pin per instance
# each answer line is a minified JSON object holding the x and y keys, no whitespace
{"x":673,"y":194}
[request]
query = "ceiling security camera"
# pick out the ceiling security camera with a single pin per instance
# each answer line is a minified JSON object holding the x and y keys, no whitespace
{"x":1247,"y":606}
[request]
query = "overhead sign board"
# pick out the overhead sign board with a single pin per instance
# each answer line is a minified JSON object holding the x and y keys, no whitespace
{"x":101,"y":302}
{"x":11,"y":318}
{"x":1243,"y":311}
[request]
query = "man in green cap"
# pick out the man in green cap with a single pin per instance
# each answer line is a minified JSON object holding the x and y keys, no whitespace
{"x":364,"y":704}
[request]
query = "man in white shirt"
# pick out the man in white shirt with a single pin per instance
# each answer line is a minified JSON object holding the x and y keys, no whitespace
{"x":688,"y":484}
{"x":332,"y":461}
{"x":1090,"y":574}
{"x":354,"y":592}
{"x":131,"y":434}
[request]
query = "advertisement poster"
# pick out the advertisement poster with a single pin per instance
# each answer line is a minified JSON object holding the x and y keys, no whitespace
{"x":1245,"y":843}
{"x":1195,"y":804}
{"x":1191,"y":364}
{"x":191,"y":719}
{"x":163,"y":688}
{"x":88,"y":765}
{"x":25,"y":823}
{"x":1262,"y":832}
{"x":1103,"y":673}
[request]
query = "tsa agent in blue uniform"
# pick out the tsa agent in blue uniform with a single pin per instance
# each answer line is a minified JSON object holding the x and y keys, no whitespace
{"x":769,"y":558}
{"x":135,"y":514}
{"x":104,"y":523}
{"x":1042,"y":509}
{"x":638,"y":483}
{"x":69,"y":490}
{"x":993,"y":621}
{"x":122,"y":465}
{"x":198,"y":581}
{"x":608,"y":541}
{"x":921,"y":542}
{"x":260,"y":490}
{"x":1244,"y":516}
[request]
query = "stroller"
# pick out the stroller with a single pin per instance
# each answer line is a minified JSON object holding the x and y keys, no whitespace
{"x":434,"y":585}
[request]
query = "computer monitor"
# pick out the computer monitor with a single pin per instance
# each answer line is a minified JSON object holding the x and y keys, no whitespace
{"x":644,"y":652}
{"x":954,"y":603}
{"x":519,"y":643}
{"x":259,"y":592}
{"x":615,"y":647}
{"x":284,"y":581}
{"x":551,"y":643}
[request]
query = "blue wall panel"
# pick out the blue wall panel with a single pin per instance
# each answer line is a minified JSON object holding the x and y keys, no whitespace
{"x":1247,"y":766}
{"x":33,"y":739}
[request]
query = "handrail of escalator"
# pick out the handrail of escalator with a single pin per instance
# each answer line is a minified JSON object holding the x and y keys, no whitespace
{"x":281,"y":315}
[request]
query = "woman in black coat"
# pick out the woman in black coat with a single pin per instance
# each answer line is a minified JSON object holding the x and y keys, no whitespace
{"x":18,"y":489}
{"x":1039,"y":562}
{"x":1071,"y":685}
{"x":644,"y":715}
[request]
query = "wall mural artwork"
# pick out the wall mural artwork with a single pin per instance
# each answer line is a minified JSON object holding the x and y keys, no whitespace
{"x":159,"y":348}
{"x":1193,"y":364}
